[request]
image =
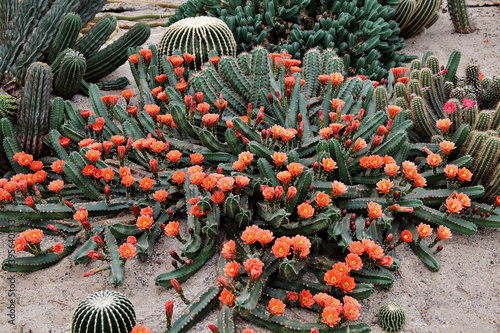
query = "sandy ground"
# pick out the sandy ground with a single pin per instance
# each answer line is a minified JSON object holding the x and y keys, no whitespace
{"x":462,"y":297}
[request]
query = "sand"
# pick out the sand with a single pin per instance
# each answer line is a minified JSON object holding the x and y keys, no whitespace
{"x":462,"y":297}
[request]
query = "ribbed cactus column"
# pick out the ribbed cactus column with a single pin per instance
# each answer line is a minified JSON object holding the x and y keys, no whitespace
{"x":198,"y":36}
{"x":459,"y":16}
{"x":70,"y":75}
{"x":104,"y":312}
{"x":35,"y":108}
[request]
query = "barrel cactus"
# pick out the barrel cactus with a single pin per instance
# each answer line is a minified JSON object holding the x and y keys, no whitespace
{"x":414,"y":16}
{"x":198,"y":36}
{"x":70,"y":75}
{"x":104,"y":312}
{"x":391,"y":317}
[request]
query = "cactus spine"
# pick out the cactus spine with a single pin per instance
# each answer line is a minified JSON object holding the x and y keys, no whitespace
{"x":104,"y":312}
{"x":70,"y":75}
{"x":198,"y":36}
{"x":35,"y":108}
{"x":459,"y":16}
{"x":391,"y":317}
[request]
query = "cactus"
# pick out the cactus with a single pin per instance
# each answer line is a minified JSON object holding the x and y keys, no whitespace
{"x":198,"y":36}
{"x":391,"y":317}
{"x":414,"y":16}
{"x":66,"y":37}
{"x":70,"y":74}
{"x":92,"y":41}
{"x":34,"y":111}
{"x":459,"y":16}
{"x":8,"y":106}
{"x":104,"y":311}
{"x":368,"y":40}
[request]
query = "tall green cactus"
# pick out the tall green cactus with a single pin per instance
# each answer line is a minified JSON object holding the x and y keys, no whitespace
{"x":70,"y":75}
{"x":91,"y":42}
{"x":198,"y":36}
{"x":66,"y":37}
{"x":459,"y":16}
{"x":414,"y":16}
{"x":34,"y":111}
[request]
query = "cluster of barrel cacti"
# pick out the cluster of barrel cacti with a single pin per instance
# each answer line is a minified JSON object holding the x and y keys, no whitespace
{"x":48,"y":30}
{"x":277,"y":161}
{"x":361,"y":32}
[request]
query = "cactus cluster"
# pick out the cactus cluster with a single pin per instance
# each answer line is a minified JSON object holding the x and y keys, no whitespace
{"x":198,"y":36}
{"x":278,"y":163}
{"x":104,"y":312}
{"x":47,"y":30}
{"x":361,"y":32}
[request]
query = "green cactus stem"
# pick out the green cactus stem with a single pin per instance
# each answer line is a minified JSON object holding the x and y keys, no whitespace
{"x":459,"y":16}
{"x":66,"y":37}
{"x":391,"y":317}
{"x":70,"y":74}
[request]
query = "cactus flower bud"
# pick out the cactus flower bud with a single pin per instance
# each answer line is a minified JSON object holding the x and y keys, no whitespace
{"x":348,"y":143}
{"x":188,"y":99}
{"x":219,"y":170}
{"x":376,"y":141}
{"x":169,"y":310}
{"x":135,"y":211}
{"x":487,"y":215}
{"x":367,"y":223}
{"x":439,"y":248}
{"x":278,"y":192}
{"x":353,"y":217}
{"x":191,"y":231}
{"x":198,"y":97}
{"x":395,"y":194}
{"x":188,"y":262}
{"x":291,"y":192}
{"x":86,"y":225}
{"x":279,"y":96}
{"x":89,"y":273}
{"x":481,"y":214}
{"x":225,"y":283}
{"x":270,"y":97}
{"x":131,"y":240}
{"x":98,"y":240}
{"x":53,"y":228}
{"x":353,"y":227}
{"x":121,"y":152}
{"x":315,"y":166}
{"x":390,"y":248}
{"x":153,"y":164}
{"x":95,"y":255}
{"x":289,"y":93}
{"x":299,"y":117}
{"x":389,"y":124}
{"x":174,"y":263}
{"x":389,"y":238}
{"x":30,"y":202}
{"x":361,"y":113}
{"x":213,"y":328}
{"x":107,"y":190}
{"x":159,"y":134}
{"x":174,"y":255}
{"x":176,"y":285}
{"x":382,"y":130}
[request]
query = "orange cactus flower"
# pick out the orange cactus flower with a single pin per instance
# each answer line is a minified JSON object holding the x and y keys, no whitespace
{"x":147,"y":54}
{"x":347,"y":284}
{"x":338,"y":188}
{"x":351,"y":312}
{"x":333,"y":277}
{"x":93,"y":155}
{"x":10,"y":186}
{"x":357,"y":248}
{"x":179,"y":177}
{"x":281,"y":249}
{"x":127,"y":251}
{"x":434,"y":160}
{"x":424,"y":230}
{"x":301,"y":245}
{"x":232,"y":269}
{"x":141,"y":329}
{"x":20,"y":244}
{"x":295,"y":169}
{"x":238,"y":166}
{"x":323,"y":79}
{"x":399,"y":71}
{"x":229,"y":250}
{"x":197,"y":178}
{"x":128,"y":181}
{"x":227,"y":297}
{"x":203,"y":108}
{"x":323,"y":300}
{"x":365,"y":162}
{"x":225,"y":184}
{"x":279,"y":158}
{"x":254,"y":267}
{"x":288,"y":134}
{"x":305,"y":210}
{"x":359,"y":144}
{"x":124,"y":171}
{"x":451,"y":171}
{"x":384,"y":186}
{"x":241,"y":181}
{"x":277,"y":131}
{"x":322,"y":199}
{"x":196,"y":158}
{"x":337,"y":104}
{"x":156,"y":91}
{"x":33,"y":236}
{"x":391,"y":169}
{"x":174,"y":156}
{"x":36,"y":166}
{"x":40,"y":176}
{"x":176,"y":60}
{"x":157,"y":146}
{"x":352,"y":301}
{"x":147,"y":211}
{"x":160,"y":195}
{"x":326,"y":132}
{"x":406,"y":236}
{"x":375,"y":161}
{"x":246,"y":157}
{"x":81,"y":215}
{"x":127,"y":94}
{"x":447,"y":147}
{"x":444,"y":125}
{"x":453,"y":205}
{"x":419,"y":181}
{"x":209,"y":183}
{"x":146,"y":183}
{"x":464,"y":200}
{"x":144,"y":222}
{"x":188,"y":57}
{"x":276,"y":307}
{"x":194,"y":169}
{"x":25,"y":159}
{"x":56,"y":185}
{"x":284,"y":177}
{"x":57,"y":166}
{"x":218,"y":197}
{"x":354,"y":261}
{"x":374,"y":210}
{"x":249,"y":236}
{"x":410,"y":170}
{"x":172,"y":229}
{"x":328,"y":164}
{"x":443,"y":233}
{"x":393,"y":111}
{"x":264,"y":236}
{"x":336,"y":78}
{"x":108,"y":174}
{"x":306,"y":298}
{"x":464,"y":175}
{"x":375,"y":252}
{"x":341,"y":267}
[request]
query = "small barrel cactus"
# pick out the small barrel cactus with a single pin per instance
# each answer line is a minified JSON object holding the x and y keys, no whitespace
{"x":8,"y":106}
{"x":391,"y":317}
{"x":198,"y":36}
{"x":104,"y":312}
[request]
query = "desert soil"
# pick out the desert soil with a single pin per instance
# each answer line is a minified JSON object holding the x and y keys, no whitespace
{"x":462,"y":297}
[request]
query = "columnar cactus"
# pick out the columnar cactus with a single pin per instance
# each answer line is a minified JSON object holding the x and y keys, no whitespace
{"x":198,"y":36}
{"x":391,"y":317}
{"x":104,"y":312}
{"x":34,"y":111}
{"x":66,"y":37}
{"x":70,"y":74}
{"x":459,"y":16}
